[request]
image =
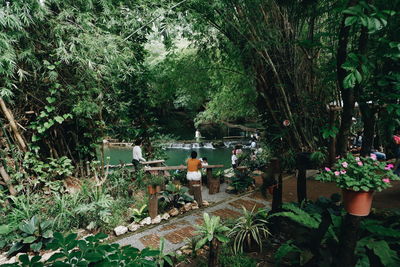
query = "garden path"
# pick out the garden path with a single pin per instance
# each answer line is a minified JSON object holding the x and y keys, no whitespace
{"x":177,"y":229}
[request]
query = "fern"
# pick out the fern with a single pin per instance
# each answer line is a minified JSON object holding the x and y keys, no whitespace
{"x":300,"y":216}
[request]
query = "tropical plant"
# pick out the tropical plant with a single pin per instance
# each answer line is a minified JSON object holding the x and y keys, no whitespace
{"x":33,"y":235}
{"x":91,"y":251}
{"x":212,"y":232}
{"x":241,"y":180}
{"x":175,"y":195}
{"x":360,"y":174}
{"x":226,"y":259}
{"x":139,"y":214}
{"x":163,"y":257}
{"x":247,"y":229}
{"x":318,"y":157}
{"x":95,"y":208}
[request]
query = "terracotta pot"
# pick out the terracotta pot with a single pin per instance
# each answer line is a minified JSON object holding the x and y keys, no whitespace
{"x":151,"y":189}
{"x":158,"y":188}
{"x":357,"y":203}
{"x":258,"y":180}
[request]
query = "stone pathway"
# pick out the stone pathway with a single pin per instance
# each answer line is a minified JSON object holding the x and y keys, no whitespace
{"x":177,"y":230}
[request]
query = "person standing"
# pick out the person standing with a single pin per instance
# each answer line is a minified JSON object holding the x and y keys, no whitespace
{"x":234,"y":159}
{"x":137,"y":155}
{"x":197,"y":135}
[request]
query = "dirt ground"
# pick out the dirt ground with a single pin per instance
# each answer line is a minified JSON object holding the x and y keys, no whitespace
{"x":389,"y":198}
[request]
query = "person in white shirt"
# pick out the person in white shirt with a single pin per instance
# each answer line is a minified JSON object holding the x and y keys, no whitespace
{"x":137,"y":155}
{"x":234,"y":159}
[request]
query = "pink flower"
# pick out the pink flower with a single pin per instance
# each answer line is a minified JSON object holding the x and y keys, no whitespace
{"x":389,"y":166}
{"x":327,"y":169}
{"x":359,"y":163}
{"x":343,"y":172}
{"x":345,"y":164}
{"x":357,"y":158}
{"x":337,"y":173}
{"x":386,"y":180}
{"x":373,"y":156}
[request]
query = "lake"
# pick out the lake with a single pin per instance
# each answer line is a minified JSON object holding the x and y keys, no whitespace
{"x":175,"y":156}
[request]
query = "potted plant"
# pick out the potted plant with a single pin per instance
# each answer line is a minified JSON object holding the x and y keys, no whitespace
{"x":359,"y":178}
{"x":154,"y":183}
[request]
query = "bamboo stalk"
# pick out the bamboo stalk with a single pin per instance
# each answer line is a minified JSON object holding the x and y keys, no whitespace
{"x":7,"y":113}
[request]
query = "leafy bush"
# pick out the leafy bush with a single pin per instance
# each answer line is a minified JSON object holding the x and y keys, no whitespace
{"x":33,"y":234}
{"x":91,"y":252}
{"x":175,"y":196}
{"x":210,"y":229}
{"x":241,"y":180}
{"x":226,"y":259}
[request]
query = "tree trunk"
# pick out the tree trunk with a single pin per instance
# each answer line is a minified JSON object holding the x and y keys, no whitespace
{"x":347,"y":94}
{"x":369,"y":120}
{"x":213,"y":256}
{"x":7,"y":113}
{"x":213,"y":186}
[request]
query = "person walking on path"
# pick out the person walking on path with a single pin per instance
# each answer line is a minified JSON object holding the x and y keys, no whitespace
{"x":193,"y":170}
{"x":137,"y":155}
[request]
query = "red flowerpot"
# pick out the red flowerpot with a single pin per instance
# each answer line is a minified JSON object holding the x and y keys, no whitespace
{"x":151,"y":189}
{"x":357,"y":203}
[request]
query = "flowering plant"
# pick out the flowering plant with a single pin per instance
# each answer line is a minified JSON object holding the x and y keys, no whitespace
{"x":360,"y":174}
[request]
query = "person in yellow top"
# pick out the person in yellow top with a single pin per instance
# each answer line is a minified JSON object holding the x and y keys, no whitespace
{"x":193,"y":168}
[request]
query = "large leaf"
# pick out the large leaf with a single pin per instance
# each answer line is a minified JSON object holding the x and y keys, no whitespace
{"x":5,"y":229}
{"x":387,"y":256}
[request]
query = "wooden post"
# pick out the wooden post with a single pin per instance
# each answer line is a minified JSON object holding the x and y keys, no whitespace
{"x":277,"y":190}
{"x":209,"y":176}
{"x":197,"y":194}
{"x":153,"y":205}
{"x":301,"y":184}
{"x":213,"y":186}
{"x":303,"y":163}
{"x":348,"y":240}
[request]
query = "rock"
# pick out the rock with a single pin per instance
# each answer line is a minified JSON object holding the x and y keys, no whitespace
{"x":194,"y":206}
{"x":174,"y":212}
{"x":178,"y":252}
{"x":120,"y":230}
{"x":187,"y":251}
{"x":10,"y":261}
{"x":145,"y":221}
{"x":156,"y":220}
{"x":200,"y":252}
{"x":133,"y":227}
{"x":46,"y":256}
{"x":205,"y":203}
{"x":187,"y":207}
{"x":80,"y":232}
{"x":165,"y":216}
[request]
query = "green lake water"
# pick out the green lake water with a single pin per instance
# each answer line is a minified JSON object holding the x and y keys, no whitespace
{"x":175,"y":156}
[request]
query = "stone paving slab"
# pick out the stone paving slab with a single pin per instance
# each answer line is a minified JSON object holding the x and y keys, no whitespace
{"x":176,"y":230}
